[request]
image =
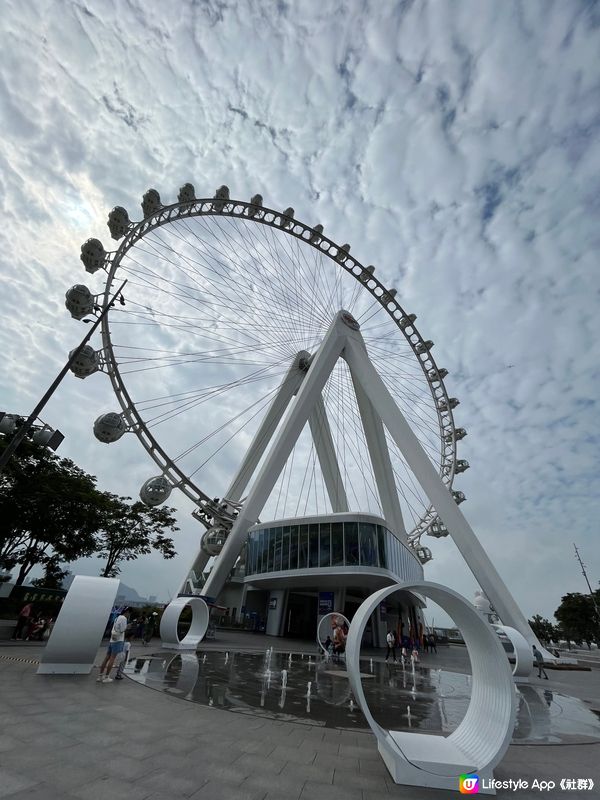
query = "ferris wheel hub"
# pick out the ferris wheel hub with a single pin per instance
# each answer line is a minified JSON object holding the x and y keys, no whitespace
{"x":349,"y":320}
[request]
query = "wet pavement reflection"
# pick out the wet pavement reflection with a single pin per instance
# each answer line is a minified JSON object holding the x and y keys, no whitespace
{"x":315,"y":690}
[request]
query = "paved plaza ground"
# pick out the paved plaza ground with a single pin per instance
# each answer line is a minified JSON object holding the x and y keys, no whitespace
{"x":70,"y":738}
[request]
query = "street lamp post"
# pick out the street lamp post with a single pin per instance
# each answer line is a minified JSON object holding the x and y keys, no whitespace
{"x":28,"y":424}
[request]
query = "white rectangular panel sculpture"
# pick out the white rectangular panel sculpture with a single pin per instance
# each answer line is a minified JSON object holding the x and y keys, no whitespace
{"x":77,"y":633}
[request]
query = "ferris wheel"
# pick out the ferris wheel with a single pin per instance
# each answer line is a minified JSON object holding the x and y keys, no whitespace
{"x":223,"y":298}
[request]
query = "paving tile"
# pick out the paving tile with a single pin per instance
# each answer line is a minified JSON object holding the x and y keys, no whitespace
{"x":294,"y":754}
{"x":356,"y":780}
{"x":337,"y":762}
{"x":178,"y":785}
{"x":7,"y":743}
{"x":125,"y":768}
{"x":220,"y":790}
{"x":249,"y":764}
{"x":110,"y":788}
{"x":320,"y":773}
{"x":363,"y":753}
{"x":325,"y":791}
{"x":283,"y":784}
{"x":321,"y":747}
{"x":257,"y":746}
{"x":372,"y":767}
{"x":71,"y":776}
{"x":11,"y":782}
{"x":42,"y":791}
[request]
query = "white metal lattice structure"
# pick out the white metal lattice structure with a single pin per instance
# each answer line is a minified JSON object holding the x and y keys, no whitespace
{"x":247,"y":288}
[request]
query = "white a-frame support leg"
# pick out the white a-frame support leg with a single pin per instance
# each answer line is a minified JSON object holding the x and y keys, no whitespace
{"x":465,"y":539}
{"x":308,"y":394}
{"x":380,"y":461}
{"x":344,"y":337}
{"x":323,"y":440}
{"x":289,"y":387}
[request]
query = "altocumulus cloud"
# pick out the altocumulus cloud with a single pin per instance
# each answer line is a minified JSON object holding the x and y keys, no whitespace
{"x":456,"y":144}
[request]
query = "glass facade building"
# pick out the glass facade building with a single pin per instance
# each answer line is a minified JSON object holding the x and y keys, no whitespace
{"x":326,"y":545}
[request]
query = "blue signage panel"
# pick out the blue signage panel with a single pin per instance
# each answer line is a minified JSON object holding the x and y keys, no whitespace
{"x":325,"y":603}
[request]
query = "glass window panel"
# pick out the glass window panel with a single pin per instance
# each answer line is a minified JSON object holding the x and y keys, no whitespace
{"x":313,"y":560}
{"x":351,"y":543}
{"x":325,"y":544}
{"x":293,"y":547}
{"x":278,"y":546}
{"x":285,"y":549}
{"x":337,"y":544}
{"x":381,"y":535}
{"x":368,"y":544}
{"x":250,"y":551}
{"x":259,"y":551}
{"x":303,"y":549}
{"x":270,"y":548}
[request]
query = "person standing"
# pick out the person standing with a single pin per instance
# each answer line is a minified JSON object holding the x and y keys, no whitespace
{"x":124,"y":657}
{"x":148,"y":629}
{"x":539,"y":662}
{"x":391,"y":646}
{"x":116,"y":645}
{"x":25,"y":617}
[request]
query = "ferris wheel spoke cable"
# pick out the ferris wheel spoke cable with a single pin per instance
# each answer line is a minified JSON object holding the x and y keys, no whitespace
{"x":186,"y":300}
{"x":257,"y":266}
{"x":401,"y":481}
{"x":217,"y":300}
{"x":408,"y":481}
{"x":302,"y":301}
{"x":257,"y":375}
{"x":432,"y":449}
{"x":359,"y":453}
{"x":188,"y":405}
{"x":236,"y":283}
{"x":348,"y":447}
{"x":313,"y":298}
{"x":200,"y":319}
{"x":262,"y":401}
{"x":192,"y":403}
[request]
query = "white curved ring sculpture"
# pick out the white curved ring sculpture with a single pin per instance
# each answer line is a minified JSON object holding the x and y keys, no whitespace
{"x":483,"y":736}
{"x":325,"y":627}
{"x":523,"y":655}
{"x":170,"y":619}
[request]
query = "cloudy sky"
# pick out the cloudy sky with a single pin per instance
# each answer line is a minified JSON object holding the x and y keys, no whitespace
{"x":455,"y":145}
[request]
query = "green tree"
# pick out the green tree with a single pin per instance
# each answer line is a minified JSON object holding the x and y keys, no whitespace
{"x":53,"y":575}
{"x":543,"y":628}
{"x":50,"y":510}
{"x":577,"y":617}
{"x":133,"y":530}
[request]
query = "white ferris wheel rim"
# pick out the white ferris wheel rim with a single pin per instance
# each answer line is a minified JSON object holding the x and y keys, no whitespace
{"x":315,"y":238}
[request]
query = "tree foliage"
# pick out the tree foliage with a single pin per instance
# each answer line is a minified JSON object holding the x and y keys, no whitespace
{"x":543,"y":628}
{"x":49,"y":509}
{"x":130,"y":531}
{"x":52,"y":513}
{"x":53,"y":576}
{"x":578,"y":618}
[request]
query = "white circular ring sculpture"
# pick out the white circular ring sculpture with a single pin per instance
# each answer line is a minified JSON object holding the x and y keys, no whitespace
{"x":483,"y":736}
{"x":170,"y":619}
{"x":325,"y":627}
{"x":523,"y":655}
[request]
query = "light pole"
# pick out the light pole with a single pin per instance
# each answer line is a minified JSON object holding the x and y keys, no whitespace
{"x":28,"y":424}
{"x":584,"y":573}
